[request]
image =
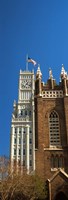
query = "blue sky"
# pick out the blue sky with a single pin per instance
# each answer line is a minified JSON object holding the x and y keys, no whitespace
{"x":36,"y":27}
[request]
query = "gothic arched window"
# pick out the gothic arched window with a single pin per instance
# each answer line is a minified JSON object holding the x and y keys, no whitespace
{"x":61,"y":161}
{"x":54,"y":129}
{"x":52,"y":161}
{"x":57,"y":161}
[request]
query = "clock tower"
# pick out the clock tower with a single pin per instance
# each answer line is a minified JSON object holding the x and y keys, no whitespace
{"x":23,"y":125}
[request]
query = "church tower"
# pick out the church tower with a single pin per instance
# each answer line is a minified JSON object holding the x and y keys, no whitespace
{"x":51,"y":133}
{"x":22,"y":126}
{"x":51,"y":124}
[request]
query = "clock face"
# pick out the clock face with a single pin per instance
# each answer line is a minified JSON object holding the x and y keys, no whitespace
{"x":26,"y":84}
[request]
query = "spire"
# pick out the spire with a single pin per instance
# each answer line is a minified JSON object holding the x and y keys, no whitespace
{"x":63,"y":72}
{"x":50,"y":74}
{"x":38,"y":74}
{"x":38,"y":81}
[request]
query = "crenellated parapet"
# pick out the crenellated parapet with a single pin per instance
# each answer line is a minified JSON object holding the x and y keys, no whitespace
{"x":51,"y":88}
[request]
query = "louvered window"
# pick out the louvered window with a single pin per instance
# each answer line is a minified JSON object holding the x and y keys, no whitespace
{"x":54,"y":129}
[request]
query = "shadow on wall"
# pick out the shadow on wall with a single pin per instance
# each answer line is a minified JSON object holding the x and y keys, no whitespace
{"x":61,"y":196}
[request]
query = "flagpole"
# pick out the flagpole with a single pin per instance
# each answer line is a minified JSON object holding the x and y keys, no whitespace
{"x":27,"y":62}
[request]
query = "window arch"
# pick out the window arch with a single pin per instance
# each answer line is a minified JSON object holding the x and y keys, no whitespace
{"x":52,"y":161}
{"x":57,"y":161}
{"x":54,"y":129}
{"x":61,"y":161}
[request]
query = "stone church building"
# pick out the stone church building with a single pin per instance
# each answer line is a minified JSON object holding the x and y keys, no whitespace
{"x":51,"y":133}
{"x":39,"y":130}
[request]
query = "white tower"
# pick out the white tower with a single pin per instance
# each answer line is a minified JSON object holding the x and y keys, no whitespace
{"x":23,"y":125}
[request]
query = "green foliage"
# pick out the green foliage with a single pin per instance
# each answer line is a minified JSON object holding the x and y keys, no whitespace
{"x":39,"y":188}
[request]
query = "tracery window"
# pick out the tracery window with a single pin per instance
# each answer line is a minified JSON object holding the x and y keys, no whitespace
{"x":52,"y":161}
{"x":54,"y":129}
{"x":57,"y":161}
{"x":61,"y":161}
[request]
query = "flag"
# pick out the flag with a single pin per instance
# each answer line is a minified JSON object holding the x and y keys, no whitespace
{"x":32,"y":61}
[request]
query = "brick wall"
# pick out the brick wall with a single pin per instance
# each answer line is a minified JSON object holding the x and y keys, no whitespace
{"x":42,"y":110}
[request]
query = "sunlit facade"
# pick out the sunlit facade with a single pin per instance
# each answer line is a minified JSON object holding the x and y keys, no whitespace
{"x":22,"y":125}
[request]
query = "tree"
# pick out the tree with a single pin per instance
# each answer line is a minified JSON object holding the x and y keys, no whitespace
{"x":17,"y":186}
